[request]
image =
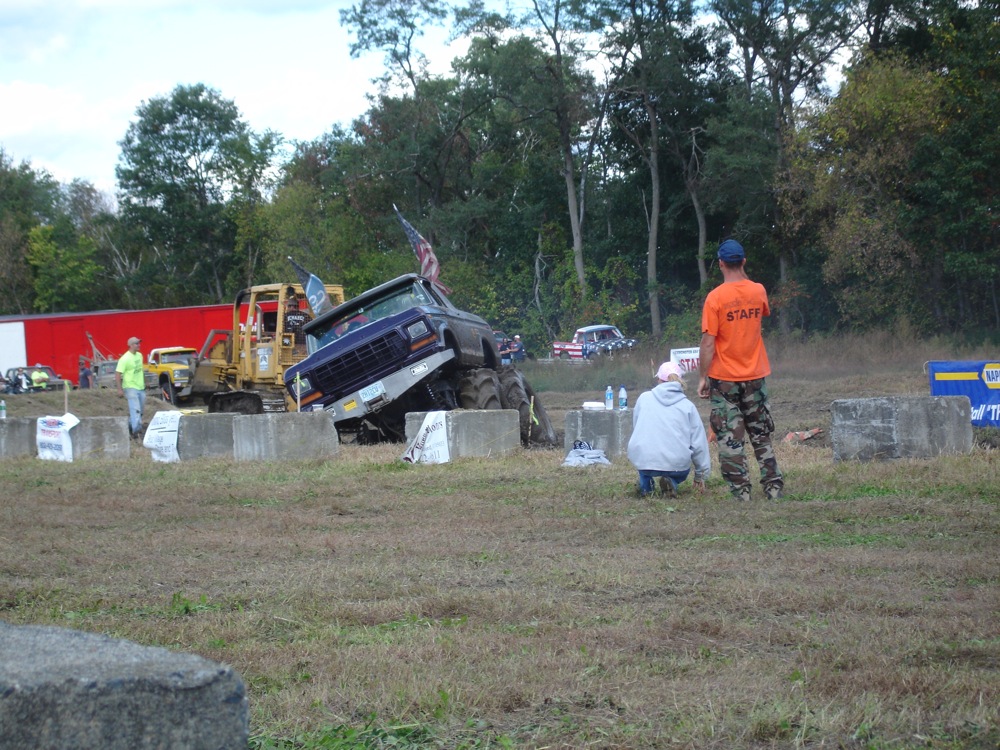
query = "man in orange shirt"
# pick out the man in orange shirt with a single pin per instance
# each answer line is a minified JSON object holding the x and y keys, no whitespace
{"x":733,"y":369}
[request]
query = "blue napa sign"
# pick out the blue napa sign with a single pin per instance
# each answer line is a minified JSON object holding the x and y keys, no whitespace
{"x":980,"y":381}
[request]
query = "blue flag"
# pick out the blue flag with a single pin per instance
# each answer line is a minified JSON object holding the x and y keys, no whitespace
{"x":316,"y":296}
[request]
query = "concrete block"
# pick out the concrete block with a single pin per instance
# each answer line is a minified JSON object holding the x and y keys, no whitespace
{"x":71,"y":690}
{"x":101,"y":437}
{"x":475,"y":432}
{"x":867,"y":429}
{"x":17,"y":437}
{"x":269,"y":437}
{"x":608,"y":430}
{"x":205,"y":436}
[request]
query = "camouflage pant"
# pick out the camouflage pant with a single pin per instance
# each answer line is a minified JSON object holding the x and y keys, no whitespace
{"x":740,"y":410}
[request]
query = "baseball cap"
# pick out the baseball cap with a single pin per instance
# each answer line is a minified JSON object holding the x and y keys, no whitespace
{"x":731,"y":251}
{"x":667,"y":369}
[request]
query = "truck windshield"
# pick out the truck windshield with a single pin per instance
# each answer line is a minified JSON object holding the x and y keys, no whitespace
{"x":176,"y":358}
{"x":394,"y":301}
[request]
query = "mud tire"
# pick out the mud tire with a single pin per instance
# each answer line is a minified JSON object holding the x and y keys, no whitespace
{"x":516,"y":393}
{"x":480,"y":389}
{"x":168,"y":393}
{"x":237,"y":402}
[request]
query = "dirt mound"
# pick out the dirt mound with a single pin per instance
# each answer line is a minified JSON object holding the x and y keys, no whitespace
{"x":100,"y":402}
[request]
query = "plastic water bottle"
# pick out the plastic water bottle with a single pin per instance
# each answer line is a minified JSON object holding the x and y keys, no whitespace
{"x":609,"y":398}
{"x":622,"y":398}
{"x":3,"y":409}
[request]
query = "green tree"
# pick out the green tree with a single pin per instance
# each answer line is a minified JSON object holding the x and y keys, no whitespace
{"x":65,"y":270}
{"x":28,"y":198}
{"x":183,"y":160}
{"x":784,"y":49}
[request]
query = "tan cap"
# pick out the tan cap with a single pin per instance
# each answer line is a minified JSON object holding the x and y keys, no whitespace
{"x":134,"y":340}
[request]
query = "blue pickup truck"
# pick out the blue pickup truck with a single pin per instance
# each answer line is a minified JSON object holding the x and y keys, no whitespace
{"x":402,"y":347}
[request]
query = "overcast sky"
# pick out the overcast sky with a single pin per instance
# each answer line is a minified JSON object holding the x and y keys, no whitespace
{"x":73,"y":72}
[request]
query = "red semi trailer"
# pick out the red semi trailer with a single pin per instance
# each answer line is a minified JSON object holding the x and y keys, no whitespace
{"x":60,"y":339}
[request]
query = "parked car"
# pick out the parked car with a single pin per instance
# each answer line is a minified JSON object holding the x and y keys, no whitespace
{"x":593,"y":340}
{"x":54,"y":381}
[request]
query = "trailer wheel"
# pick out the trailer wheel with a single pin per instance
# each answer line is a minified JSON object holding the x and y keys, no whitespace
{"x":480,"y":389}
{"x":516,"y":393}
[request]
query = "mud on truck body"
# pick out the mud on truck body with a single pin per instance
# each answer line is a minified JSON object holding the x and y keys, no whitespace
{"x":404,"y":347}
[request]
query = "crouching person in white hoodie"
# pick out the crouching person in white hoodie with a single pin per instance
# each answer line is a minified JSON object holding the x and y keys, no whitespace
{"x":668,"y":436}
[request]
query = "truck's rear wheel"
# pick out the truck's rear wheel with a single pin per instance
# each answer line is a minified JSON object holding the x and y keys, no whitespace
{"x":480,"y":389}
{"x":516,"y":393}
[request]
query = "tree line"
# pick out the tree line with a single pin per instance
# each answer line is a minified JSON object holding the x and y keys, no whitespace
{"x":578,"y":164}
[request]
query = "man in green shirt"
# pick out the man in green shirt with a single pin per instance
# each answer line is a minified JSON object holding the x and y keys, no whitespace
{"x":132,"y":384}
{"x":39,"y":379}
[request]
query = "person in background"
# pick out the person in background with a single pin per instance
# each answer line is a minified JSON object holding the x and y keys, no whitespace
{"x":505,"y":352}
{"x":668,"y":436}
{"x":294,"y":319}
{"x":22,"y":383}
{"x":517,"y":349}
{"x":39,"y":378}
{"x":132,"y":384}
{"x":86,"y":375}
{"x":733,"y":369}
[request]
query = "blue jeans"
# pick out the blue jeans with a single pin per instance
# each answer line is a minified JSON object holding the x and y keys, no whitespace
{"x":646,"y":478}
{"x":136,"y":402}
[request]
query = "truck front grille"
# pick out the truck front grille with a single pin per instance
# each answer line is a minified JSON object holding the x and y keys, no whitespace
{"x":370,"y":360}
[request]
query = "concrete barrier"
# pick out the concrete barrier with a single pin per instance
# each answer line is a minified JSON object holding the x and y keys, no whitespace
{"x":68,"y":689}
{"x":93,"y":437}
{"x":101,"y":437}
{"x":475,"y":432}
{"x":867,"y":429}
{"x":17,"y":437}
{"x":205,"y":436}
{"x":608,"y":430}
{"x":271,"y":437}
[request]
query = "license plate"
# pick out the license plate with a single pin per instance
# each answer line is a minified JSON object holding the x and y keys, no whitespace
{"x":372,"y":392}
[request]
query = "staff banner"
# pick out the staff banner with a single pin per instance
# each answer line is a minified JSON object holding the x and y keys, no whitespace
{"x":980,"y":381}
{"x":687,"y":359}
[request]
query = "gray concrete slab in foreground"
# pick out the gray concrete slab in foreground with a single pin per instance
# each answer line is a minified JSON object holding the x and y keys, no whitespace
{"x":17,"y":437}
{"x":608,"y":430}
{"x":205,"y":436}
{"x":867,"y":429}
{"x":475,"y":432}
{"x":67,"y":689}
{"x":269,"y":437}
{"x":101,"y":437}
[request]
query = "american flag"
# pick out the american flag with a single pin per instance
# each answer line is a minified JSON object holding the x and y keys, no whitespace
{"x":429,"y":267}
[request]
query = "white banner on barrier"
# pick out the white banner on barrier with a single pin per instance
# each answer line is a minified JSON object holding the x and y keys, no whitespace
{"x":430,"y":446}
{"x":52,"y":437}
{"x":689,"y":359}
{"x":161,"y":436}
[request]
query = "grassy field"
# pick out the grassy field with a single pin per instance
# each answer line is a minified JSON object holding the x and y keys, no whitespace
{"x":518,"y":603}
